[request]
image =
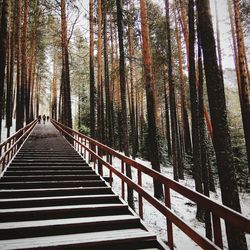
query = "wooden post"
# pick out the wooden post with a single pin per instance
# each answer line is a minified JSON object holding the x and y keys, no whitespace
{"x":139,"y":195}
{"x":217,"y":231}
{"x":169,"y":223}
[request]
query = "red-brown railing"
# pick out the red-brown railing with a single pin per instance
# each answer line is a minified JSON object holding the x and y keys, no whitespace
{"x":9,"y":147}
{"x":85,"y":146}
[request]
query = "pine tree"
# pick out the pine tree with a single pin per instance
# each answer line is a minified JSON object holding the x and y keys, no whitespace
{"x":221,"y":138}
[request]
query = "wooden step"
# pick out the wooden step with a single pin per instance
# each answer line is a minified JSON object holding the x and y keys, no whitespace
{"x":44,"y":168}
{"x":46,"y":192}
{"x":26,"y":229}
{"x":46,"y":177}
{"x":61,"y":212}
{"x":119,"y":238}
{"x":48,"y":172}
{"x":55,"y":163}
{"x":53,"y":156}
{"x":51,"y":184}
{"x":58,"y":201}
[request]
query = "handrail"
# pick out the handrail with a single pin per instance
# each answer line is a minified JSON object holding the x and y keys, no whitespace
{"x":218,"y":211}
{"x":9,"y":147}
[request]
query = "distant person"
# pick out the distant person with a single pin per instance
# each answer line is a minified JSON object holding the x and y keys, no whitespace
{"x":47,"y":118}
{"x":39,"y":119}
{"x":44,"y":119}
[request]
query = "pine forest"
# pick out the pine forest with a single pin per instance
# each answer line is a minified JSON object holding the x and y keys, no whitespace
{"x":165,"y":82}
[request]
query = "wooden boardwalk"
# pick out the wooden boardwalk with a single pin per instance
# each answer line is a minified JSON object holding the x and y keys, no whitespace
{"x":50,"y":198}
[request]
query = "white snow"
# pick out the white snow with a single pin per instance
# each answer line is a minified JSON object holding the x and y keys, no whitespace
{"x":4,"y":130}
{"x":180,"y":205}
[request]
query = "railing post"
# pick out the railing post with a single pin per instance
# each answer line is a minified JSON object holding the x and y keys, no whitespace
{"x":81,"y":152}
{"x":169,"y":223}
{"x":217,"y":231}
{"x":94,"y":163}
{"x":85,"y":149}
{"x":123,"y":184}
{"x":78,"y":143}
{"x":100,"y":170}
{"x":139,"y":195}
{"x":110,"y":177}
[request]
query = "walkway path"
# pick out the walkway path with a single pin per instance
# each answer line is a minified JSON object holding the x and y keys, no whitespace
{"x":50,"y":198}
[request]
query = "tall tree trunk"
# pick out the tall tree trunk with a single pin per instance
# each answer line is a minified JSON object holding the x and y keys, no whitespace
{"x":131,"y":68}
{"x":184,"y":113}
{"x":19,"y":105}
{"x":3,"y":50}
{"x":54,"y":86}
{"x":24,"y":80}
{"x":92,"y":70}
{"x":244,"y":80}
{"x":151,"y":98}
{"x":100,"y":111}
{"x":174,"y":128}
{"x":30,"y":75}
{"x":32,"y":82}
{"x":112,"y":80}
{"x":203,"y":140}
{"x":221,"y":139}
{"x":107,"y":80}
{"x":167,"y":119}
{"x":194,"y":108}
{"x":118,"y":92}
{"x":38,"y":80}
{"x":124,"y":118}
{"x":9,"y":99}
{"x":66,"y":96}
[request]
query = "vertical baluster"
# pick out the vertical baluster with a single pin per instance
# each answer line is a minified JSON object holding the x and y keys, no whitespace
{"x":94,"y":162}
{"x":110,"y":177}
{"x":85,"y":148}
{"x":169,"y":223}
{"x":217,"y":231}
{"x":139,"y":195}
{"x":81,"y":147}
{"x":78,"y":145}
{"x":123,"y":185}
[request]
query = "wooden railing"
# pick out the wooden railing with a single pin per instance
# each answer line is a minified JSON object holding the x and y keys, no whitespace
{"x":9,"y":147}
{"x":88,"y":148}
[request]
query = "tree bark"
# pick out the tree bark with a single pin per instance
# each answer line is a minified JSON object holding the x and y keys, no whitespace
{"x":54,"y":86}
{"x":151,"y":98}
{"x":92,"y":71}
{"x":66,"y":96}
{"x":194,"y":108}
{"x":24,"y":80}
{"x":109,"y":138}
{"x":184,"y":113}
{"x":3,"y":50}
{"x":124,"y":118}
{"x":131,"y":68}
{"x":221,"y":139}
{"x":173,"y":114}
{"x":10,"y":83}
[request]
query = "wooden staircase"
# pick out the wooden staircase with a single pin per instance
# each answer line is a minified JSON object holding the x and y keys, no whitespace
{"x":50,"y":198}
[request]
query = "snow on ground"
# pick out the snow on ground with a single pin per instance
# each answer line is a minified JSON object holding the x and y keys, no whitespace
{"x":180,"y":205}
{"x":4,"y":130}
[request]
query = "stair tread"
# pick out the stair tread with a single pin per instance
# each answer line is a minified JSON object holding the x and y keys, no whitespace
{"x":52,"y":189}
{"x":86,"y":239}
{"x":92,"y":219}
{"x":60,"y":197}
{"x":34,"y":209}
